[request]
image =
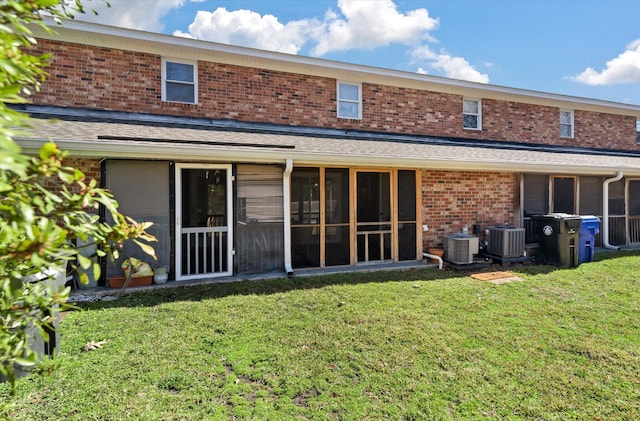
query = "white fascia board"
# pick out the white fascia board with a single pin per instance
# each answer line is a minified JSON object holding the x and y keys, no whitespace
{"x":153,"y":151}
{"x":192,"y":49}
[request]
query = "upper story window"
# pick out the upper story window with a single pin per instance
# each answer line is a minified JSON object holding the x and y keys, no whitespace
{"x":566,"y":123}
{"x":472,"y":114}
{"x":349,"y":100}
{"x":179,"y":81}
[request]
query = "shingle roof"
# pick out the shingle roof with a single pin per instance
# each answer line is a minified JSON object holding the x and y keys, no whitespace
{"x":117,"y":140}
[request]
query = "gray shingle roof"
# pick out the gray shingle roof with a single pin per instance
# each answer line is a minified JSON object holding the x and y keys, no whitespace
{"x":117,"y":140}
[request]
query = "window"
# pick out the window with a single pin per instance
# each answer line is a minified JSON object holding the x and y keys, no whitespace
{"x":472,"y":114}
{"x":179,"y":81}
{"x":349,"y":100}
{"x":566,"y":123}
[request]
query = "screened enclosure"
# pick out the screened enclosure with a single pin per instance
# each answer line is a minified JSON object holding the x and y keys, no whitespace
{"x":260,"y":219}
{"x":582,"y":195}
{"x":342,"y":216}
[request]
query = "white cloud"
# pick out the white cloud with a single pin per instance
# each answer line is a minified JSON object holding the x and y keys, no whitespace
{"x":623,"y":69}
{"x":249,"y":29}
{"x":453,"y":67}
{"x":358,"y":25}
{"x":355,"y":24}
{"x":369,"y":24}
{"x":139,"y":14}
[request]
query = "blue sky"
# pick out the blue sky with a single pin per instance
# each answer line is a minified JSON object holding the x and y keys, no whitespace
{"x":586,"y":48}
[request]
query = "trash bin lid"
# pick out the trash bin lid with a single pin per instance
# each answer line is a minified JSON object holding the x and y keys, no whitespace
{"x":562,"y":215}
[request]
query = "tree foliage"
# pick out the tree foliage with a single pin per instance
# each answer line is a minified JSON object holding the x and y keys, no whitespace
{"x":39,"y":223}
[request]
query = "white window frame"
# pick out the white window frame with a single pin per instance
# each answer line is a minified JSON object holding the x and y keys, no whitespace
{"x":358,"y":102}
{"x":166,"y":60}
{"x":561,"y":124}
{"x":478,"y":115}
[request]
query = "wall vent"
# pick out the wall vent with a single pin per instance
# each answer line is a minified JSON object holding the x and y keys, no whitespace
{"x":505,"y":241}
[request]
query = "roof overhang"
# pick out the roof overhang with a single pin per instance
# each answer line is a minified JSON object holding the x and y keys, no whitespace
{"x":105,"y":140}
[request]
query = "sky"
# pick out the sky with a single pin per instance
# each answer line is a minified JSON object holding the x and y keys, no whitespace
{"x":585,"y":48}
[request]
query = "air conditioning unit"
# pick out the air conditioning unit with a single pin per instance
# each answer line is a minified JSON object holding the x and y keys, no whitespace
{"x":505,"y":241}
{"x":460,"y":248}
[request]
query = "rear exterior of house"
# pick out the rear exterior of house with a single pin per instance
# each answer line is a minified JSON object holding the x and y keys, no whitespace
{"x":253,"y":162}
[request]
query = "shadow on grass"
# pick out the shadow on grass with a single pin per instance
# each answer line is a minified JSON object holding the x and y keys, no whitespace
{"x":280,"y":285}
{"x":605,"y":254}
{"x":285,"y":284}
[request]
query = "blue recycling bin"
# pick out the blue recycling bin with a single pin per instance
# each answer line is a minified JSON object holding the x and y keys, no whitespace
{"x":589,"y":227}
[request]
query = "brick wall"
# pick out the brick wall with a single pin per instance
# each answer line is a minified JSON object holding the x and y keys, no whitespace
{"x":90,"y":167}
{"x":103,"y":78}
{"x":453,"y":199}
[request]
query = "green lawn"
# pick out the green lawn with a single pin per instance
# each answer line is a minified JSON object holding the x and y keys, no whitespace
{"x":418,"y":344}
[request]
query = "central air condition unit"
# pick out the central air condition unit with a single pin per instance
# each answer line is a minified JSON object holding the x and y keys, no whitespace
{"x":460,"y":248}
{"x":505,"y":241}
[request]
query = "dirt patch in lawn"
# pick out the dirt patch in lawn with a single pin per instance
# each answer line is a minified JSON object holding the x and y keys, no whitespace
{"x":496,"y":277}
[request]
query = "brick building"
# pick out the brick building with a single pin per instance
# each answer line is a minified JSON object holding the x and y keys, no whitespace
{"x":251,"y":161}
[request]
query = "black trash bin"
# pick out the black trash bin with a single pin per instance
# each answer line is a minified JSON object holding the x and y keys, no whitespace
{"x":558,"y":235}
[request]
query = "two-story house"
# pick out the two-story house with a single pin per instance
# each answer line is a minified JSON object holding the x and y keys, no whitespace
{"x":251,"y":162}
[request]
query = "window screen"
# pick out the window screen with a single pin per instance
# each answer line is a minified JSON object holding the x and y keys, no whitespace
{"x":591,"y":196}
{"x":305,"y":217}
{"x":564,"y":194}
{"x":634,"y":197}
{"x":536,"y":194}
{"x":142,"y":191}
{"x":337,"y":238}
{"x":260,"y":216}
{"x":616,"y":198}
{"x":406,"y":215}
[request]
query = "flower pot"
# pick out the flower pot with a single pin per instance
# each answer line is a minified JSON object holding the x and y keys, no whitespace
{"x":160,"y":279}
{"x":436,"y":252}
{"x":118,"y":281}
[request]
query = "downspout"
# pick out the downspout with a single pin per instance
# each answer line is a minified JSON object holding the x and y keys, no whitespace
{"x":286,"y":185}
{"x":434,"y":257}
{"x":605,"y":210}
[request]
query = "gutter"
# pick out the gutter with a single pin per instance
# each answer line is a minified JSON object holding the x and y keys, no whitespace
{"x":605,"y":210}
{"x":286,"y":185}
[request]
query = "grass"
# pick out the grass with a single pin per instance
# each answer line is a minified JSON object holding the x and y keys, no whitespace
{"x":418,"y":344}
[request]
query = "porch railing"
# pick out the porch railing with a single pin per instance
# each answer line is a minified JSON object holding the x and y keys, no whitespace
{"x":366,"y":235}
{"x":204,"y":250}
